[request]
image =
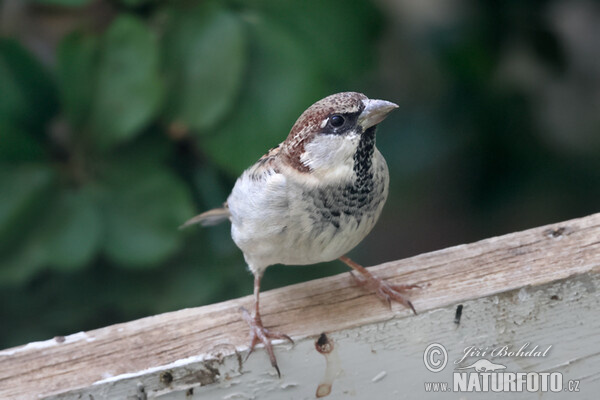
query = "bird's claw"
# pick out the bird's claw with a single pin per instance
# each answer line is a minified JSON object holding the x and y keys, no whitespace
{"x":260,"y":334}
{"x":386,"y":291}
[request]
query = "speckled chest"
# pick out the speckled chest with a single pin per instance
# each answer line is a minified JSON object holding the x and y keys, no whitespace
{"x":356,"y":200}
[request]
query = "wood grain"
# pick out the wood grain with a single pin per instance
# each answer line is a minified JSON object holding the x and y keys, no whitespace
{"x":501,"y":264}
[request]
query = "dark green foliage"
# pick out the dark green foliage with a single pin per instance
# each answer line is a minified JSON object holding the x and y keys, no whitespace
{"x":28,"y":94}
{"x":204,"y":55}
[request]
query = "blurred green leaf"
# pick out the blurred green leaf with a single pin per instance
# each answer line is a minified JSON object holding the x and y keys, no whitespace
{"x":281,"y":81}
{"x":145,"y":153}
{"x":187,"y":285}
{"x":128,"y":88}
{"x":64,"y":3}
{"x":134,"y":3}
{"x":22,"y":263}
{"x":18,"y":145}
{"x":143,"y":209}
{"x":28,"y":98}
{"x":72,"y":231}
{"x":22,"y":187}
{"x":204,"y":53}
{"x":339,"y":34}
{"x":25,"y":191}
{"x":65,"y":235}
{"x":77,"y":57}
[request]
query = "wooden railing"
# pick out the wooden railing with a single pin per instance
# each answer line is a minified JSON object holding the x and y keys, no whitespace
{"x":540,"y":286}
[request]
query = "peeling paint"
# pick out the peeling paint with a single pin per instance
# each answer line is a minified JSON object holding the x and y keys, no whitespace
{"x":333,"y":365}
{"x":324,"y":389}
{"x":523,"y":295}
{"x":558,"y":232}
{"x":141,"y":392}
{"x":239,"y":395}
{"x":166,"y":377}
{"x":184,"y":361}
{"x":56,"y":341}
{"x":323,"y":344}
{"x":379,"y":376}
{"x":288,"y":385}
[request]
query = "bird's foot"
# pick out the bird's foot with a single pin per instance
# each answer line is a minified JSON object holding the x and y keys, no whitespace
{"x":384,"y":290}
{"x":260,"y":334}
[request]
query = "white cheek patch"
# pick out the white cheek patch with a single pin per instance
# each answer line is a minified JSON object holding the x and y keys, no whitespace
{"x":324,"y":123}
{"x":331,"y":154}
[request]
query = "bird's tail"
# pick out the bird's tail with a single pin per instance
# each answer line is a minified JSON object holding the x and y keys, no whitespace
{"x":209,"y":218}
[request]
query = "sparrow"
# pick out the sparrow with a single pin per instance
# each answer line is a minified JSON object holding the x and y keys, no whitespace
{"x":312,"y":199}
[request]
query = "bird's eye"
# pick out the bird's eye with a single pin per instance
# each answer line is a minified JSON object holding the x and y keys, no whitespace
{"x":336,"y":121}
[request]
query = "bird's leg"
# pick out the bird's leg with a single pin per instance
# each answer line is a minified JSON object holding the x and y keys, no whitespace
{"x":258,"y":333}
{"x":385,"y":291}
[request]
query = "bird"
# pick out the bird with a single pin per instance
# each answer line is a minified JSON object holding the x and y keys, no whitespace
{"x":312,"y":199}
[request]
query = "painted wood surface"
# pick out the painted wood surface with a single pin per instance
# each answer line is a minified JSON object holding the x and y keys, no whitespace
{"x":538,"y":286}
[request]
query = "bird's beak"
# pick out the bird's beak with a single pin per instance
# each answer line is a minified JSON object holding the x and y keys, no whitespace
{"x":375,"y":111}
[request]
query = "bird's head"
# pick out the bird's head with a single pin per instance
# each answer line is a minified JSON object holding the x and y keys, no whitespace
{"x":334,"y":134}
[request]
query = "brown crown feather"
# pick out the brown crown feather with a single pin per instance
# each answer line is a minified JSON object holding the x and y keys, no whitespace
{"x":309,"y":124}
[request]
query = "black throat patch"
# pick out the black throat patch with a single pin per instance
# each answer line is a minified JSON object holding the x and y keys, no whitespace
{"x":360,"y":197}
{"x":363,"y":158}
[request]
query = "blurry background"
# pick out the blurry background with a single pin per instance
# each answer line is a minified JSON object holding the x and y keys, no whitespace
{"x":120,"y":119}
